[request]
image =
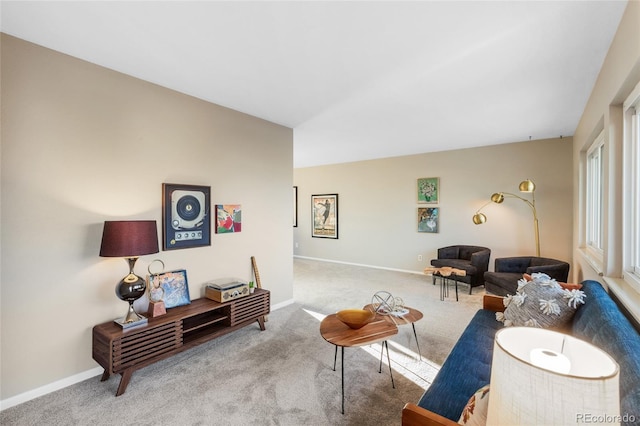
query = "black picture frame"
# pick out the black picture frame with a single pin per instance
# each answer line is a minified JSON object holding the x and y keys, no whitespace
{"x":186,"y":216}
{"x":295,"y":206}
{"x":324,"y":216}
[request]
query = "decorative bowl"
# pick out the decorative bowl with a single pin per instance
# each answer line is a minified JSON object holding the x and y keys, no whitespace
{"x":356,"y":318}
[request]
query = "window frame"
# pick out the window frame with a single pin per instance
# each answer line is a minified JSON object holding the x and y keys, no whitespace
{"x":594,"y":206}
{"x":631,"y":193}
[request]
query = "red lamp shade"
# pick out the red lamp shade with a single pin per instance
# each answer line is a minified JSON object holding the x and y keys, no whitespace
{"x":129,"y":238}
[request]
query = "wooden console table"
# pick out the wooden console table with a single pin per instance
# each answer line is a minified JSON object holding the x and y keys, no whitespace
{"x":122,"y":352}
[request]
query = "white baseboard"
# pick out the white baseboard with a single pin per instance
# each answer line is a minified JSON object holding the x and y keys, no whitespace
{"x":76,"y":378}
{"x":360,"y":264}
{"x":51,"y":387}
{"x":282,"y":304}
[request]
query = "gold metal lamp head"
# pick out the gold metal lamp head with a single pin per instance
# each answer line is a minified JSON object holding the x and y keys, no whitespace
{"x":497,"y":198}
{"x":527,"y":186}
{"x":479,"y":218}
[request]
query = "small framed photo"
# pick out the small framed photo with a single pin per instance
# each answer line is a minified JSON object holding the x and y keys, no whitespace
{"x":295,"y":206}
{"x":428,"y":190}
{"x":324,"y":216}
{"x":175,"y":287}
{"x":228,"y":218}
{"x":429,"y":219}
{"x":186,"y":216}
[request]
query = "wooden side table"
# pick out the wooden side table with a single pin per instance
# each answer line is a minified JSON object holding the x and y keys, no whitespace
{"x":339,"y":334}
{"x":444,"y":273}
{"x":410,"y":317}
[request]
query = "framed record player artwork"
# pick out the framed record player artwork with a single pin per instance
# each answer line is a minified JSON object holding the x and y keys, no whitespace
{"x":186,"y":216}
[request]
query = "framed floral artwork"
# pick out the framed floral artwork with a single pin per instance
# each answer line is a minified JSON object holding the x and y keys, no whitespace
{"x":428,"y":190}
{"x":324,"y":216}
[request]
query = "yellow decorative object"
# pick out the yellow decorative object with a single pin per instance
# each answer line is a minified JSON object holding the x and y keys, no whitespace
{"x":356,"y":318}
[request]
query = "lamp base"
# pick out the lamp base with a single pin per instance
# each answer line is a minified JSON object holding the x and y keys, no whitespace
{"x":132,"y":318}
{"x":124,"y":324}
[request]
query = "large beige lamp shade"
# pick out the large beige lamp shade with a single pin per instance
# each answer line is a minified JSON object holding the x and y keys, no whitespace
{"x":542,"y":377}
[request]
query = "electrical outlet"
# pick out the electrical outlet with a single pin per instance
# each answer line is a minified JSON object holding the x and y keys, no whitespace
{"x":296,"y":245}
{"x":419,"y":258}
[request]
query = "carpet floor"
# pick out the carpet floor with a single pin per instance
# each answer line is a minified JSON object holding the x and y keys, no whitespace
{"x":283,"y":375}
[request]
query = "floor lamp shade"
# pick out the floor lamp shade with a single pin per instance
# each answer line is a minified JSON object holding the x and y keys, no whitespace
{"x":525,"y":389}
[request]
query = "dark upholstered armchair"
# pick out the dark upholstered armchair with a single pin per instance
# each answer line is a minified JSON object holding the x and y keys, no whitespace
{"x":474,"y":260}
{"x":508,"y":270}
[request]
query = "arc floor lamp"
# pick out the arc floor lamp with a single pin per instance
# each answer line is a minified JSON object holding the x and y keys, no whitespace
{"x":526,"y":186}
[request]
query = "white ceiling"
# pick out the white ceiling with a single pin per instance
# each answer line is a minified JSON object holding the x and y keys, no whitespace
{"x":355,"y":80}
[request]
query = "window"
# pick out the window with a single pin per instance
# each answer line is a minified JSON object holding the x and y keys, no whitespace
{"x":595,"y":191}
{"x":631,"y":193}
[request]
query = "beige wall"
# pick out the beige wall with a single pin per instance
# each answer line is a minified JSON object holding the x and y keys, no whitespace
{"x":378,"y":204}
{"x":619,"y":74}
{"x":82,"y":144}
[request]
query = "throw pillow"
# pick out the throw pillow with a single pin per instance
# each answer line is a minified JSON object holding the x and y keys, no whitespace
{"x":475,"y":412}
{"x":569,"y":286}
{"x":541,"y":302}
{"x":566,"y":286}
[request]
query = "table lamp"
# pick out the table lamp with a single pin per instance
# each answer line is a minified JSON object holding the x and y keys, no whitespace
{"x":129,"y":239}
{"x":543,"y":377}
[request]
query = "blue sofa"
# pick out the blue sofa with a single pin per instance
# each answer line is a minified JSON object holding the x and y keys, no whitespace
{"x":468,"y":366}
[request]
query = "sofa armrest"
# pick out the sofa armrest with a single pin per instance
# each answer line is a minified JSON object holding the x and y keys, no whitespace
{"x":480,"y":259}
{"x":413,"y":415}
{"x":493,"y":303}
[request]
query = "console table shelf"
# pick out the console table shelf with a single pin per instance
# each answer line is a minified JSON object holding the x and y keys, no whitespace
{"x":123,"y":351}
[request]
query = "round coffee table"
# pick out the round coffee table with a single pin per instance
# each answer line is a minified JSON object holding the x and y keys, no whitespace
{"x":410,"y":317}
{"x":341,"y":335}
